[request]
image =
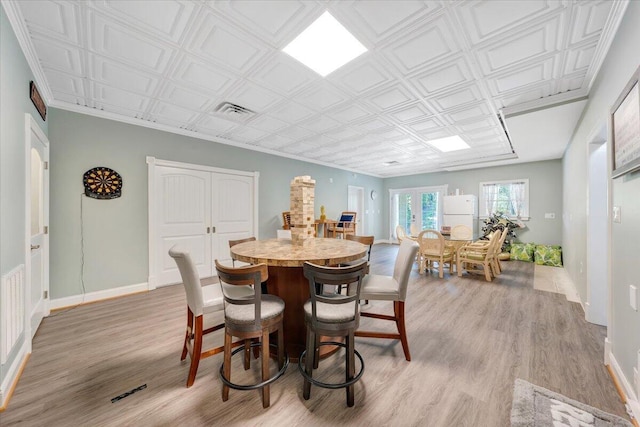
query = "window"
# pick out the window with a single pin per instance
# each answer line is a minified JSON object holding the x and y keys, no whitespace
{"x":508,"y":197}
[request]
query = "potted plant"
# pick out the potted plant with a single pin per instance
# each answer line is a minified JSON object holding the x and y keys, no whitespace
{"x":499,"y":221}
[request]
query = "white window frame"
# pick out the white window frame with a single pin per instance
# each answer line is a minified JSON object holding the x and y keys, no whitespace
{"x":526,"y":205}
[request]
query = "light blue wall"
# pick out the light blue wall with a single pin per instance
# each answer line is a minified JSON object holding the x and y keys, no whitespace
{"x":545,"y":193}
{"x":116,"y":231}
{"x":15,"y":76}
{"x":621,"y":62}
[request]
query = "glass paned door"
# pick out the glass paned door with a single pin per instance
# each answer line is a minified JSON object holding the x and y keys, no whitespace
{"x":416,"y":209}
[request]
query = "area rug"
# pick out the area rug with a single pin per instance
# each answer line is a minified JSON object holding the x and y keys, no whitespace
{"x":535,"y":406}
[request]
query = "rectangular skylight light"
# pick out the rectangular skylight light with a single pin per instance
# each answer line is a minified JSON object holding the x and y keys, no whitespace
{"x":325,"y":45}
{"x":450,"y":143}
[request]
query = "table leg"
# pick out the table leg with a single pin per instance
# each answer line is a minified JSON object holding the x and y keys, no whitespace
{"x":290,"y":284}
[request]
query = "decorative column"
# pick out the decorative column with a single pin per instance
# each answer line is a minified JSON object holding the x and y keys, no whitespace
{"x":302,"y":211}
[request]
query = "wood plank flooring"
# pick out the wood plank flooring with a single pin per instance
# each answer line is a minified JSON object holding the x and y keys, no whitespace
{"x":469,"y":341}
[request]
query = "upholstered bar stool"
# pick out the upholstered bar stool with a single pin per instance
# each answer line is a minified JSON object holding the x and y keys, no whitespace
{"x":201,"y":300}
{"x":247,"y":317}
{"x":332,"y":315}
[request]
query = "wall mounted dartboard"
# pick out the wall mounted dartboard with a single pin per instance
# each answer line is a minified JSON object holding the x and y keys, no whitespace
{"x":102,"y":183}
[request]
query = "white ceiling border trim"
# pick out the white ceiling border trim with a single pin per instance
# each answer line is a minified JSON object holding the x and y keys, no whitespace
{"x":165,"y":128}
{"x":608,"y":34}
{"x":20,"y":30}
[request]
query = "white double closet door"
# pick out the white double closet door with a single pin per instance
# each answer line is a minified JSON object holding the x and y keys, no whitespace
{"x":201,"y":211}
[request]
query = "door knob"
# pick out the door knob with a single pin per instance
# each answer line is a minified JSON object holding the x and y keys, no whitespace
{"x":34,"y":247}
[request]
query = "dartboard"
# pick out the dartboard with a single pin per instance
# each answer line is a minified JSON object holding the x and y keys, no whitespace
{"x":102,"y":183}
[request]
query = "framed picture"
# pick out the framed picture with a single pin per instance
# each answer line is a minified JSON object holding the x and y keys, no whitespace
{"x":625,"y":128}
{"x":37,"y":100}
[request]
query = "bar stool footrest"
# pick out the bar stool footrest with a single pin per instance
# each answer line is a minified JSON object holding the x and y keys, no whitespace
{"x":330,"y":385}
{"x":258,"y":385}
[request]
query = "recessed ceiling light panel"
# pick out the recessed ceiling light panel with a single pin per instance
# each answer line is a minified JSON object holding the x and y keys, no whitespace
{"x":325,"y":45}
{"x":450,"y":143}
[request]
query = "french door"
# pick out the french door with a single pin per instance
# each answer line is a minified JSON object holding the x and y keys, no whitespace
{"x":416,"y":209}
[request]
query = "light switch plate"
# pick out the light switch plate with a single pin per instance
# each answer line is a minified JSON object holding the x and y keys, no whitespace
{"x":617,"y":214}
{"x":550,"y":215}
{"x":633,"y":297}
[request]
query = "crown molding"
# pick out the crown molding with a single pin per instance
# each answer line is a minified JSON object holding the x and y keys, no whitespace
{"x":22,"y":34}
{"x":608,"y":34}
{"x":170,"y":129}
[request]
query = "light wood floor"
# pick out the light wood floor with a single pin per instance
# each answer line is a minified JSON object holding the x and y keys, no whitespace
{"x":469,"y":340}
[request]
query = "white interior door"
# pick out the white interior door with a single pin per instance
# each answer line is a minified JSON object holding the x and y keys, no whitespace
{"x":232,"y":212}
{"x":183,"y":212}
{"x":38,"y":225}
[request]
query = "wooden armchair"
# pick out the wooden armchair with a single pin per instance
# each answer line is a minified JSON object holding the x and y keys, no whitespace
{"x":345,"y":225}
{"x":286,"y":220}
{"x":482,"y":254}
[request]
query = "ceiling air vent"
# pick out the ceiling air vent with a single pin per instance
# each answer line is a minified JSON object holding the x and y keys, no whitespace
{"x":233,"y":111}
{"x":391,"y":163}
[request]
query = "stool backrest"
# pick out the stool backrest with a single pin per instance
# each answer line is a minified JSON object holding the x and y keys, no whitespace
{"x":404,"y":263}
{"x":252,"y":275}
{"x":365,"y":240}
{"x":319,"y":276}
{"x":190,"y":279}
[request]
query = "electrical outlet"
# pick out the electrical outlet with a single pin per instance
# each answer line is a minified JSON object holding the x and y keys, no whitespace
{"x":633,"y":297}
{"x":550,"y":215}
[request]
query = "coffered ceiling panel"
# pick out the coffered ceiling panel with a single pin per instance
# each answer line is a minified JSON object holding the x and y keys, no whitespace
{"x":166,"y":19}
{"x":216,"y":70}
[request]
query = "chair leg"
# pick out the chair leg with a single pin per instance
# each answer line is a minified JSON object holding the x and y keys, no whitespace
{"x":265,"y":368}
{"x":197,"y":350}
{"x":441,"y":269}
{"x":247,"y":354}
{"x":280,"y":346}
{"x":185,"y":348}
{"x":487,"y":271}
{"x":459,"y":268}
{"x":227,"y":365}
{"x":398,"y":308}
{"x":351,"y":368}
{"x":308,"y":363}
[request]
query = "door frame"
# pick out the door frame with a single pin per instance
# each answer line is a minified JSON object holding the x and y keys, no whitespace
{"x":30,"y":125}
{"x":152,"y":162}
{"x":597,"y":306}
{"x":359,"y":193}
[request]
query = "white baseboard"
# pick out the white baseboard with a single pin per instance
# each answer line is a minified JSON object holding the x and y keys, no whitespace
{"x":385,"y":241}
{"x":12,"y":374}
{"x":632,"y":398}
{"x":97,"y":296}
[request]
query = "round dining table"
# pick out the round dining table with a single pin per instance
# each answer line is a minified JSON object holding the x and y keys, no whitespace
{"x":286,"y":278}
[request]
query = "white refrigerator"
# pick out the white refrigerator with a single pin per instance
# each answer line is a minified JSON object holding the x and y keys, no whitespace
{"x":463,"y":210}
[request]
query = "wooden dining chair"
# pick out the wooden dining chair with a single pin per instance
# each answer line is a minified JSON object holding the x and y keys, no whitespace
{"x":286,"y":220}
{"x":481,"y":254}
{"x":401,"y":233}
{"x":232,"y":243}
{"x":345,"y":225}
